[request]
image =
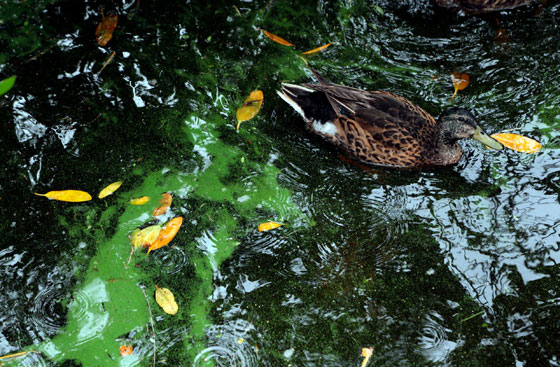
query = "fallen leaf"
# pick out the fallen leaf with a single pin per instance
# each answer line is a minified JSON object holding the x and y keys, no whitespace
{"x":109,"y":189}
{"x":267,"y":226}
{"x":105,"y":28}
{"x":315,"y":50}
{"x":518,"y":142}
{"x":240,"y":341}
{"x":73,"y":196}
{"x":164,"y":204}
{"x":460,"y":81}
{"x":140,"y":201}
{"x":126,"y":350}
{"x":145,"y":237}
{"x":7,"y":84}
{"x":250,"y":107}
{"x":17,"y":355}
{"x":276,"y":38}
{"x":166,"y":234}
{"x":366,"y":353}
{"x":166,"y":300}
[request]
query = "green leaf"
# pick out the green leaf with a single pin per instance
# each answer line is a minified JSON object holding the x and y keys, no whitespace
{"x":7,"y":84}
{"x":378,"y":9}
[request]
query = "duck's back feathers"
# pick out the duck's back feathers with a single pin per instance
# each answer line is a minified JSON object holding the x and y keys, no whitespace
{"x":376,"y":127}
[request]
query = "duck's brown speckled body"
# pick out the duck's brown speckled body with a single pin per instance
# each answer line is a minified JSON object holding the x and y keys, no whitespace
{"x":483,"y":6}
{"x":382,"y":128}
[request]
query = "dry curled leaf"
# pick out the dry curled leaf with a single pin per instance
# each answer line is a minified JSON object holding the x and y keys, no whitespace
{"x":276,"y":38}
{"x":140,"y":201}
{"x":164,"y":204}
{"x":105,"y":28}
{"x":73,"y":196}
{"x":518,"y":142}
{"x":109,"y":189}
{"x":460,"y":81}
{"x":166,"y":300}
{"x":366,"y":353}
{"x":267,"y":226}
{"x":250,"y":107}
{"x":166,"y":234}
{"x":315,"y":50}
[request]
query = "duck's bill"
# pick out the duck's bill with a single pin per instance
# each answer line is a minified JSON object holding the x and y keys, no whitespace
{"x":482,"y":137}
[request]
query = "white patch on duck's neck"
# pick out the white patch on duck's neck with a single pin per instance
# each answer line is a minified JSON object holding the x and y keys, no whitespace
{"x":327,"y":128}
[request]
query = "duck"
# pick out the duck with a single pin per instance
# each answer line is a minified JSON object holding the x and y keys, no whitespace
{"x":475,"y":7}
{"x":382,"y":128}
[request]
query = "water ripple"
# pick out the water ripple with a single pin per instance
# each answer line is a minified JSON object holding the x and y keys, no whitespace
{"x":231,"y":346}
{"x":48,"y":313}
{"x":433,"y":342}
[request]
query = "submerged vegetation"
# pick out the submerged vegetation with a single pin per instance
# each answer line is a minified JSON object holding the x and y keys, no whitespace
{"x":265,"y":248}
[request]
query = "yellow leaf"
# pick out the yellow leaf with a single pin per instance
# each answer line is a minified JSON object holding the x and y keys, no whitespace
{"x":105,"y":28}
{"x":109,"y":189}
{"x":240,"y":341}
{"x":250,"y":107}
{"x":144,"y":237}
{"x":276,"y":38}
{"x":126,"y":350}
{"x":517,"y":142}
{"x":166,"y":300}
{"x":166,"y":234}
{"x":140,"y":201}
{"x":73,"y":196}
{"x":263,"y":227}
{"x":315,"y":50}
{"x":16,"y":355}
{"x":366,"y":353}
{"x":460,"y":81}
{"x":164,"y":204}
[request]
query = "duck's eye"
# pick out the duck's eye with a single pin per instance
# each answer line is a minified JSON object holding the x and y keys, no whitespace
{"x":462,"y":119}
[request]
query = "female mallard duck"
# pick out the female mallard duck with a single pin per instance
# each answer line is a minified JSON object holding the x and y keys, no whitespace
{"x":483,"y":6}
{"x":382,"y":128}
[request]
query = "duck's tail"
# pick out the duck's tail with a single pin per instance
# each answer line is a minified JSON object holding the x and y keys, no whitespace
{"x":311,"y":104}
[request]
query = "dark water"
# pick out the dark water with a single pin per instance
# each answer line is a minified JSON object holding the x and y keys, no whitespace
{"x":449,"y":267}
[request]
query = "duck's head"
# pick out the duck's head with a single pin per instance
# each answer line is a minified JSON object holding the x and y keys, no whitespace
{"x":459,"y":123}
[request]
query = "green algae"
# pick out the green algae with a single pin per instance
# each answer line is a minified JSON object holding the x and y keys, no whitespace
{"x":110,"y":303}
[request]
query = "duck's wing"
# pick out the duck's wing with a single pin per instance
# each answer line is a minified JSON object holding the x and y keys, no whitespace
{"x":377,"y":140}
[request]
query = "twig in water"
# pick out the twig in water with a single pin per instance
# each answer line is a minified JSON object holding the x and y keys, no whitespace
{"x":152,"y":323}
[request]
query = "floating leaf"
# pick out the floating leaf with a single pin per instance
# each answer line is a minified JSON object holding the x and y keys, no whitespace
{"x":109,"y":189}
{"x":164,"y":204}
{"x":140,"y":201}
{"x":366,"y":353}
{"x":460,"y":81}
{"x":315,"y":50}
{"x":166,"y":300}
{"x":7,"y":84}
{"x":167,"y":233}
{"x":144,"y":237}
{"x":263,"y":227}
{"x":276,"y":38}
{"x":126,"y":350}
{"x":104,"y":31}
{"x":74,"y":196}
{"x":517,"y":142}
{"x":17,"y":355}
{"x":250,"y":107}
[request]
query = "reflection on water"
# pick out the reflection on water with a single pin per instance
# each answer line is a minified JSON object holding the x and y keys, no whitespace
{"x":455,"y":266}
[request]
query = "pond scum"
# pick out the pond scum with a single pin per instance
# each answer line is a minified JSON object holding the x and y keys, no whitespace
{"x":175,"y":132}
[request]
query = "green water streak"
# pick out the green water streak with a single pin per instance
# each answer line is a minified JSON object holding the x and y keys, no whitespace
{"x":109,"y":303}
